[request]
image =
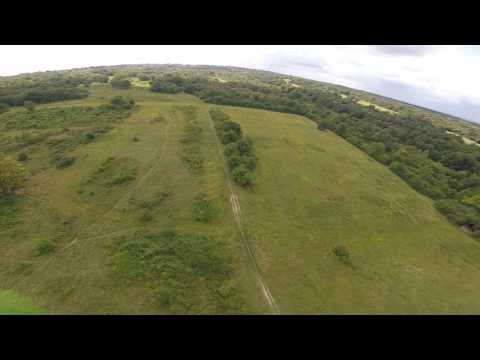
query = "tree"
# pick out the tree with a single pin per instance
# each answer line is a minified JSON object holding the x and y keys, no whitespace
{"x":29,"y":105}
{"x":341,"y":252}
{"x":120,"y":83}
{"x":322,"y":125}
{"x":231,"y":149}
{"x":342,"y":130}
{"x":12,"y":175}
{"x":232,"y":126}
{"x":242,"y":176}
{"x":164,"y":87}
{"x":121,"y":102}
{"x":144,"y":77}
{"x":229,"y":137}
{"x":245,"y":146}
{"x":22,"y":157}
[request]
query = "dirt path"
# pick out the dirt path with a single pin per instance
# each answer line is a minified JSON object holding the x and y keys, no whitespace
{"x":237,"y":212}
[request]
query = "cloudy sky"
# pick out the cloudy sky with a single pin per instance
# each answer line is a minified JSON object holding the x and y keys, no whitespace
{"x":444,"y":78}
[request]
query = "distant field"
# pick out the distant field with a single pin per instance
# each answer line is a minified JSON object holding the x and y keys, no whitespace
{"x":139,"y":83}
{"x":379,"y":108}
{"x":116,"y":232}
{"x":465,"y":139}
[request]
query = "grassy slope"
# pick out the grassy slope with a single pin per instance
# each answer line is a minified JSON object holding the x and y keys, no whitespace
{"x":315,"y":191}
{"x":80,"y":278}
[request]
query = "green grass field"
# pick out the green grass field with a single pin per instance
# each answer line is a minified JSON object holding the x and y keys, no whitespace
{"x":14,"y":304}
{"x":377,"y":107}
{"x":117,"y":231}
{"x":314,"y":191}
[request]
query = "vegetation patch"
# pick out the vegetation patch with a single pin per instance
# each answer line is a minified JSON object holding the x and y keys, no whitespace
{"x":13,"y":175}
{"x":189,"y":273}
{"x":11,"y":303}
{"x":59,"y":147}
{"x":18,"y":96}
{"x":203,"y":209}
{"x":238,"y":150}
{"x":45,"y":247}
{"x":342,"y":253}
{"x":191,"y":140}
{"x":155,"y":201}
{"x":146,"y":216}
{"x":112,"y":172}
{"x":25,"y":139}
{"x":9,"y":211}
{"x":63,"y":117}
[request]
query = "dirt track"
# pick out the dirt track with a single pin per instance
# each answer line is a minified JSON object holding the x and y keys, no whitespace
{"x":237,"y":212}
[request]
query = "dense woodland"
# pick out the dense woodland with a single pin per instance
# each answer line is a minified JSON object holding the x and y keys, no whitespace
{"x":433,"y":162}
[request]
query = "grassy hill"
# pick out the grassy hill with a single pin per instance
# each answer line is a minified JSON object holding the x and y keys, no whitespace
{"x":116,"y":232}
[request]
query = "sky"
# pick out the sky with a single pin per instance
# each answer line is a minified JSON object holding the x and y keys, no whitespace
{"x":440,"y":77}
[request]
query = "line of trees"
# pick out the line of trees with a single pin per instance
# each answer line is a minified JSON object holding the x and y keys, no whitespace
{"x":42,"y":95}
{"x":238,"y":150}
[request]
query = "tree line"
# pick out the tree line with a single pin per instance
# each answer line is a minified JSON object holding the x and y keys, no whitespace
{"x":238,"y":150}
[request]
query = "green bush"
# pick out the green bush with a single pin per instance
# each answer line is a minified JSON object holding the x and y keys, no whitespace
{"x":187,"y":272}
{"x":144,"y":77}
{"x":121,"y":179}
{"x":65,"y":162}
{"x":229,"y":137}
{"x":121,"y":102}
{"x":146,"y":217}
{"x":45,"y":247}
{"x":242,"y":176}
{"x":232,"y":126}
{"x":341,"y":252}
{"x":245,"y":146}
{"x":120,"y":83}
{"x":157,"y":200}
{"x":237,"y":160}
{"x":203,"y":209}
{"x":12,"y":175}
{"x":90,"y":136}
{"x":22,"y":157}
{"x":322,"y":125}
{"x":164,"y":296}
{"x":456,"y":212}
{"x":218,"y":115}
{"x":231,"y":149}
{"x":164,"y":87}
